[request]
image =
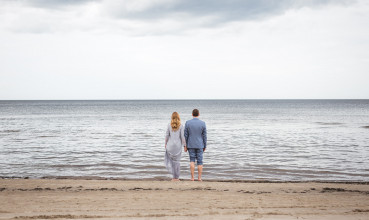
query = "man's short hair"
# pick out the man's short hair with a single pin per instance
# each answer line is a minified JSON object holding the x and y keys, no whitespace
{"x":195,"y":112}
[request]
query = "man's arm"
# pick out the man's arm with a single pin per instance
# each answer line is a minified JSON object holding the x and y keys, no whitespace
{"x":204,"y":136}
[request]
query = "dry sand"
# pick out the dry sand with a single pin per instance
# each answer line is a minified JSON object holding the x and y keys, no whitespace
{"x":118,"y":199}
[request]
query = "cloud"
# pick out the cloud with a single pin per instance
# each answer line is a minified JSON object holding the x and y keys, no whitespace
{"x":220,"y":11}
{"x":141,"y":16}
{"x":290,"y":50}
{"x":50,"y":3}
{"x":224,"y":11}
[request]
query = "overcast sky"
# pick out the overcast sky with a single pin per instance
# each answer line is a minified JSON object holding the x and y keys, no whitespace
{"x":184,"y":49}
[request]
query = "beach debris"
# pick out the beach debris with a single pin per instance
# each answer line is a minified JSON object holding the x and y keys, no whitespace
{"x":360,"y":210}
{"x":327,"y":189}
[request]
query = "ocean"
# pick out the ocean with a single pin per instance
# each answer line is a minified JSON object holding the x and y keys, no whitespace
{"x":273,"y":140}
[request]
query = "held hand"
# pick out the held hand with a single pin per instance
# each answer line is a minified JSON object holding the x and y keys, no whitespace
{"x":203,"y":149}
{"x":185,"y":149}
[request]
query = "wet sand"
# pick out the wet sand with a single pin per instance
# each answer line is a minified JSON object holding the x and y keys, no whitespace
{"x":117,"y":199}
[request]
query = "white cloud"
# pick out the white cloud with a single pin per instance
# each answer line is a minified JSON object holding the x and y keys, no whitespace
{"x":146,"y":17}
{"x":80,"y":52}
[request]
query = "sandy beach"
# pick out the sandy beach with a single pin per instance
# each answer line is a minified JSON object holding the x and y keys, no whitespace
{"x":117,"y":199}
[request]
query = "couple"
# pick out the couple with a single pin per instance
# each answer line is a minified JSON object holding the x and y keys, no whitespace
{"x":192,"y":137}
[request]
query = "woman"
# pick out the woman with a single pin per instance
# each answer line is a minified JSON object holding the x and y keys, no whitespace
{"x":174,"y":141}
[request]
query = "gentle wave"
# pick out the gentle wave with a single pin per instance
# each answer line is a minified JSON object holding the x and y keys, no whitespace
{"x":9,"y":131}
{"x":330,"y":123}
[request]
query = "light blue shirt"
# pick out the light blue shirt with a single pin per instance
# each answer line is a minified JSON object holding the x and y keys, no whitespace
{"x":195,"y":133}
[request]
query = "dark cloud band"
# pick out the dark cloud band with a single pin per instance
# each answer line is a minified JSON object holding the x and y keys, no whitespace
{"x":226,"y":10}
{"x":219,"y":10}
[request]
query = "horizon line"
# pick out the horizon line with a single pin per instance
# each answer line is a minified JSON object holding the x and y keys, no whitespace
{"x":184,"y":99}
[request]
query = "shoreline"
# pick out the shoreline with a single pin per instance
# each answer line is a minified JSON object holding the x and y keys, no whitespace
{"x":182,"y":179}
{"x":143,"y":199}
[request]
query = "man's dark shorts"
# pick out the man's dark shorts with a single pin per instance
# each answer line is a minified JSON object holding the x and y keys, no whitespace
{"x":195,"y":154}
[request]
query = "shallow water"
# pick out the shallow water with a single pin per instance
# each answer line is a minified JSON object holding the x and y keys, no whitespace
{"x":247,"y":139}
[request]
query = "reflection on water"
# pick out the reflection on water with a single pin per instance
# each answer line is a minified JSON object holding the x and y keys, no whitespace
{"x":247,"y":139}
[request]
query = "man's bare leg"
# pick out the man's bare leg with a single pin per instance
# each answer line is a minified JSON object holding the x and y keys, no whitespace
{"x":199,"y":170}
{"x":192,"y":167}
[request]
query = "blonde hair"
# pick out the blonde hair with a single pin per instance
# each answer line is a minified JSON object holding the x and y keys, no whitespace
{"x":175,"y":123}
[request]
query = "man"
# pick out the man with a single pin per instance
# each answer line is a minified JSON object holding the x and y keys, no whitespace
{"x":195,"y":135}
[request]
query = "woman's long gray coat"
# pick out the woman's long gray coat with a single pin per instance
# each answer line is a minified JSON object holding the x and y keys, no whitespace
{"x":174,"y":141}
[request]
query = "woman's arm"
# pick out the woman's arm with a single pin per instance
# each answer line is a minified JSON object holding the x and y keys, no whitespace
{"x":183,"y":139}
{"x":167,"y":134}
